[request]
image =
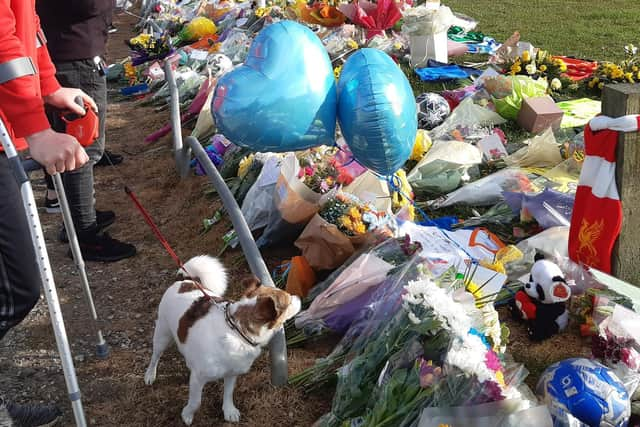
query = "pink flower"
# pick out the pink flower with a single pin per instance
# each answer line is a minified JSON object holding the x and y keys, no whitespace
{"x":492,"y":361}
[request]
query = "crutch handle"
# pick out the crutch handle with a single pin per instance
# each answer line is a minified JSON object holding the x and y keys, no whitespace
{"x":30,"y":165}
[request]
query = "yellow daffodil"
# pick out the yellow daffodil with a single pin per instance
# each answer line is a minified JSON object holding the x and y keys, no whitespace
{"x":629,"y":77}
{"x":526,"y":56}
{"x":500,"y":378}
{"x":542,"y":68}
{"x":634,"y":68}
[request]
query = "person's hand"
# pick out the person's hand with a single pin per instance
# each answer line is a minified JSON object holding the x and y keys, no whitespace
{"x":64,"y":99}
{"x":56,"y":152}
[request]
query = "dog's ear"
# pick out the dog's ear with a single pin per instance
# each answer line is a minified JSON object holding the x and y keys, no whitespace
{"x":250,"y":284}
{"x":265,"y":310}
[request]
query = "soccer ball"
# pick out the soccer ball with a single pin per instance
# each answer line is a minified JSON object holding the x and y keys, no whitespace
{"x":432,"y":110}
{"x":585,"y":390}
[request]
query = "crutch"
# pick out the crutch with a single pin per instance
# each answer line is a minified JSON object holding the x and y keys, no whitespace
{"x":102,"y":348}
{"x":48,"y":284}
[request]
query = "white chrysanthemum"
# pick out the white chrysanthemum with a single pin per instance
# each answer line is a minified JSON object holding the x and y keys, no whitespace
{"x":413,"y":318}
{"x":468,"y":354}
{"x":556,"y":84}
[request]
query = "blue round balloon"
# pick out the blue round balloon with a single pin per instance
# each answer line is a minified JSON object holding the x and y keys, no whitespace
{"x":283,"y":98}
{"x":376,"y":111}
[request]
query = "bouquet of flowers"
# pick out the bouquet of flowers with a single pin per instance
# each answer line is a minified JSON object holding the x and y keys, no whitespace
{"x":325,"y":168}
{"x":356,"y":288}
{"x":434,"y":324}
{"x":147,"y":47}
{"x":627,"y":71}
{"x":539,"y":65}
{"x":342,"y":224}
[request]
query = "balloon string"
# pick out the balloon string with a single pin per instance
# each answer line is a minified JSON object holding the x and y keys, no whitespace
{"x":353,"y":158}
{"x":394,"y":183}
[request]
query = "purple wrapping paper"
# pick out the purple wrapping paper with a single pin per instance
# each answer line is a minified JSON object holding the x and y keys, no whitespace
{"x":534,"y":203}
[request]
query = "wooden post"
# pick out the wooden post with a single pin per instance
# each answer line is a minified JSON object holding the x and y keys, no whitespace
{"x":620,"y":100}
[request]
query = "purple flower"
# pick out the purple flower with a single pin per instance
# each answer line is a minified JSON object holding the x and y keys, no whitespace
{"x":429,"y":373}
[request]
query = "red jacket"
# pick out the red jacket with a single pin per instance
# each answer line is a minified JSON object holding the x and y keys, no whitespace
{"x":21,"y":106}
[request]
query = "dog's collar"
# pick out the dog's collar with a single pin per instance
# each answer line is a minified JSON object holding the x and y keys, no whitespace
{"x":232,"y":324}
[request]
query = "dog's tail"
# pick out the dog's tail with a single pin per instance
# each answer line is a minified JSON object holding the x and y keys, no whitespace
{"x":209,"y":272}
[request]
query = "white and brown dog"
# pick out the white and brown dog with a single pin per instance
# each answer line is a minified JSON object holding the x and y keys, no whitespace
{"x":218,"y":338}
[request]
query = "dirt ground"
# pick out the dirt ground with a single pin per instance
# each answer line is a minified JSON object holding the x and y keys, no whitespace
{"x":127,"y":293}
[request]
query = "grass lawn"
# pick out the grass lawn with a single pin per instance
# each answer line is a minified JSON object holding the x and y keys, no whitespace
{"x":588,"y":29}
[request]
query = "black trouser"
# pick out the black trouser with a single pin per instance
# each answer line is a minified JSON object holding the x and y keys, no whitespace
{"x":19,"y":274}
{"x":78,"y":184}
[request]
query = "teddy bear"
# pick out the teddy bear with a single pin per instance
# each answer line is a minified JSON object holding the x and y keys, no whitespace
{"x":542,"y":301}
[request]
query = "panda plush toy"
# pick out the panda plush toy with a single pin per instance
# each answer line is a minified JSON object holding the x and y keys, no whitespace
{"x":542,"y":302}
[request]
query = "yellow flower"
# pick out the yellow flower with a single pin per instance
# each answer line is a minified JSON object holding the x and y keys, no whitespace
{"x":634,"y":68}
{"x":244,"y":165}
{"x":354,"y":213}
{"x":600,"y":85}
{"x":346,"y":222}
{"x":515,"y":68}
{"x":542,"y":68}
{"x":629,"y":77}
{"x":500,"y":378}
{"x":336,"y":71}
{"x":352,"y":44}
{"x":526,"y":56}
{"x":359,"y":227}
{"x":638,"y":75}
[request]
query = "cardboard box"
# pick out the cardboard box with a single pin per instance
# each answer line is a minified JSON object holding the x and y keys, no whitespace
{"x":538,"y":114}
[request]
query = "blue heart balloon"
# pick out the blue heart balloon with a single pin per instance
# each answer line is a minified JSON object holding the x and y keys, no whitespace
{"x":377,"y":111}
{"x":283,"y":98}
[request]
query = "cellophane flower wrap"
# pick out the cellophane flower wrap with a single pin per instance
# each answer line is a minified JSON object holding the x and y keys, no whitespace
{"x":355,"y":288}
{"x":434,"y":351}
{"x":343,"y":224}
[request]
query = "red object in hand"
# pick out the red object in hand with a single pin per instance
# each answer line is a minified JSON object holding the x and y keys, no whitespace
{"x":83,"y":128}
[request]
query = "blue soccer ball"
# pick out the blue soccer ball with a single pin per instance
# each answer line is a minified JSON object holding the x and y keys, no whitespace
{"x":585,"y":390}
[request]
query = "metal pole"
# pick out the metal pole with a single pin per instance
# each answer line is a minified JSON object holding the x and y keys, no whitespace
{"x":102,"y":348}
{"x":47,"y":276}
{"x":181,"y":154}
{"x":278,"y":345}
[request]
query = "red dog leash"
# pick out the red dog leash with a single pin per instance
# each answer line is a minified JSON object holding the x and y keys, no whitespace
{"x":162,"y":239}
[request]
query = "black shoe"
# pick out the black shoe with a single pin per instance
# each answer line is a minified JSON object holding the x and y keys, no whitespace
{"x":52,"y":205}
{"x":103,"y":220}
{"x":109,"y":159}
{"x":30,"y":415}
{"x":99,"y":246}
